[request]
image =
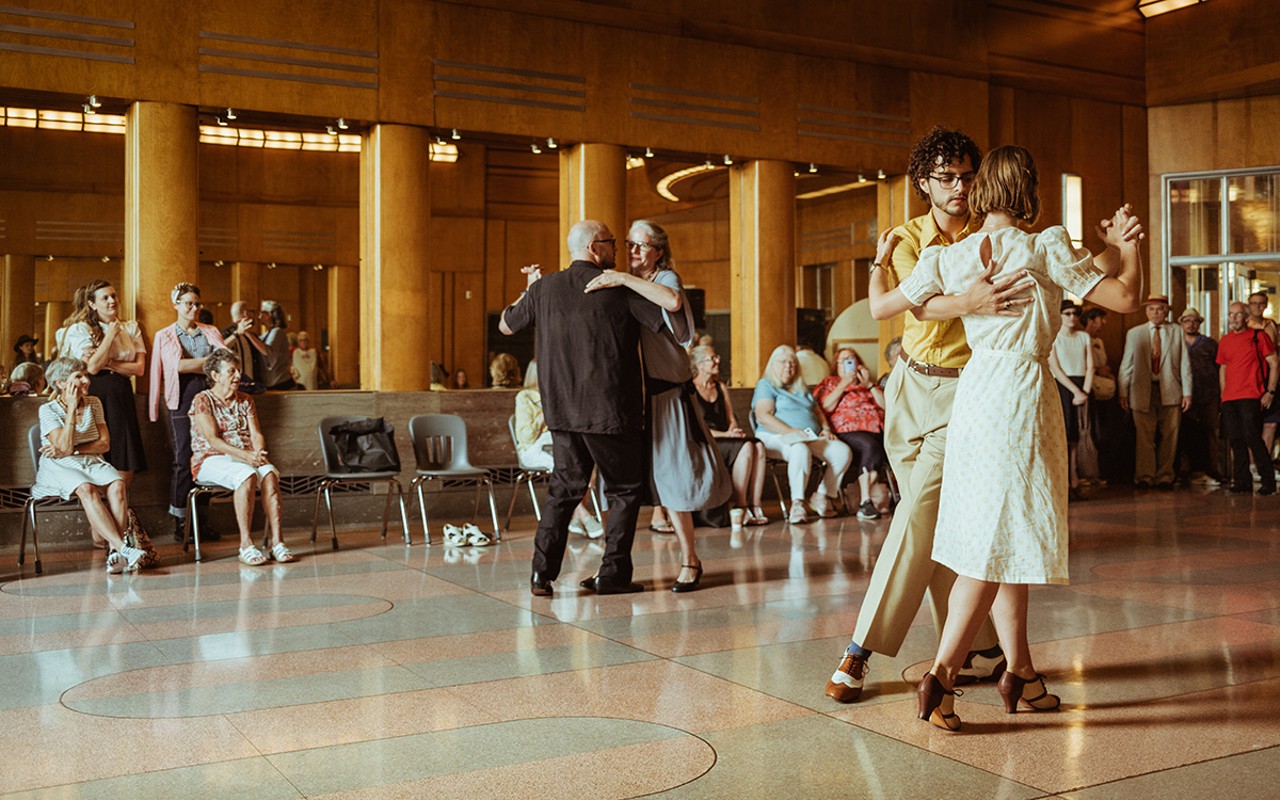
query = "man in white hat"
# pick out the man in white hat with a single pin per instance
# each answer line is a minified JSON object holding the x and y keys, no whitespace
{"x":1155,"y":384}
{"x":1198,"y":461}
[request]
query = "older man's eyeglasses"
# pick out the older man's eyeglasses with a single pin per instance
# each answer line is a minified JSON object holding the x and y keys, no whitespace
{"x":948,"y":180}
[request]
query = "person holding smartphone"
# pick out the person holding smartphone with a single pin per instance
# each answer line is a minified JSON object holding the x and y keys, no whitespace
{"x":855,"y":406}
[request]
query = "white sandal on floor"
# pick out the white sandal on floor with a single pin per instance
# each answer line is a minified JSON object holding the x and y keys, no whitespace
{"x":252,"y":556}
{"x":475,"y":536}
{"x":281,"y":553}
{"x":453,"y":535}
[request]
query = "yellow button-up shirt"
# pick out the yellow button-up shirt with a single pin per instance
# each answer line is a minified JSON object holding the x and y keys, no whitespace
{"x":938,"y":342}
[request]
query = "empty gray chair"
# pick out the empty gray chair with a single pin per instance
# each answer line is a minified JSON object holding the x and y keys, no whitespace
{"x":440,"y":449}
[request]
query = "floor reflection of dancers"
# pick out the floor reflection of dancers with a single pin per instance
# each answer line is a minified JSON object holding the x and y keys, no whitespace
{"x":1002,"y":519}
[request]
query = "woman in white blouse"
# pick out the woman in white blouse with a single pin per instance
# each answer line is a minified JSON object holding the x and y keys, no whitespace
{"x":1071,"y":364}
{"x":74,"y":437}
{"x":113,"y":352}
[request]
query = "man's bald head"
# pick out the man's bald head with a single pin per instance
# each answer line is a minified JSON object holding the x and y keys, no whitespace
{"x":590,"y":240}
{"x":237,"y":309}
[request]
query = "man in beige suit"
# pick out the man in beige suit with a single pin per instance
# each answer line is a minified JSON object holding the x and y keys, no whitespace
{"x":1155,"y":383}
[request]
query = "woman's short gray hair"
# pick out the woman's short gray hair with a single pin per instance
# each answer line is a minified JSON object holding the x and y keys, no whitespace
{"x":62,"y":368}
{"x":701,"y":353}
{"x":217,"y":361}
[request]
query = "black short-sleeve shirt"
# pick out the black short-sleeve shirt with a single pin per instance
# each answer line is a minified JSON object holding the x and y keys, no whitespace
{"x":588,"y":351}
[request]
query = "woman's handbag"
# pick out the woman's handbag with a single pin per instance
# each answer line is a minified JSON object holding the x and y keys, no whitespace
{"x":1104,"y":388}
{"x":366,"y":445}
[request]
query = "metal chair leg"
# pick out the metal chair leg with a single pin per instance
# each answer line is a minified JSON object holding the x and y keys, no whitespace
{"x":533,"y":498}
{"x":493,"y":511}
{"x":515,"y":492}
{"x":328,"y":503}
{"x":193,"y":524}
{"x":315,"y":511}
{"x":404,"y":513}
{"x":22,"y":548}
{"x":35,"y":540}
{"x":777,"y":485}
{"x":386,"y":511}
{"x":422,"y":509}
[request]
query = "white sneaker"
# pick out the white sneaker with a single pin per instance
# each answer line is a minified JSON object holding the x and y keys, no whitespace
{"x":594,"y":528}
{"x":133,"y":558}
{"x":1253,"y":470}
{"x":821,"y":504}
{"x":797,"y":516}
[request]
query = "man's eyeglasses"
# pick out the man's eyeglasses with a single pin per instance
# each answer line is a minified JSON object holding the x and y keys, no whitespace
{"x":1070,"y":313}
{"x":947,"y":180}
{"x":613,"y":242}
{"x":643,"y":247}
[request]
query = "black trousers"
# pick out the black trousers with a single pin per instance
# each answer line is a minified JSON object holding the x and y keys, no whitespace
{"x":180,"y":481}
{"x":1242,"y":425}
{"x":623,"y":461}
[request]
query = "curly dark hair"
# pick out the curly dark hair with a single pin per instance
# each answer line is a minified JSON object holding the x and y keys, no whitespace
{"x":940,"y":147}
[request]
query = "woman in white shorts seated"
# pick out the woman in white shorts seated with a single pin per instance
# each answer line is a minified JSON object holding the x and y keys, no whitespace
{"x":74,"y":435}
{"x":229,"y":450}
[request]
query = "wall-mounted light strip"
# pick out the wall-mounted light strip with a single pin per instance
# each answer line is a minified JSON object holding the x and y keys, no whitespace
{"x":61,"y":120}
{"x":1073,"y":207}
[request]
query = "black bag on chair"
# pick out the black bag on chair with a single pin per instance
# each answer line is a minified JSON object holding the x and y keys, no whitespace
{"x":366,"y":445}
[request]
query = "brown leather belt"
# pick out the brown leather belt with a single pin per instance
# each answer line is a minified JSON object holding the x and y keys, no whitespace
{"x":928,"y":369}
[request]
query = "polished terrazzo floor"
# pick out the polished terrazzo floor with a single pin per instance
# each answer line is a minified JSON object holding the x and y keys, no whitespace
{"x":380,"y":671}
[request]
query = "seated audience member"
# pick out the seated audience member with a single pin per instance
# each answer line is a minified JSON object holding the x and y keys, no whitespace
{"x":789,"y":421}
{"x":459,"y":379}
{"x":892,"y":352}
{"x":228,"y":449}
{"x":27,"y":378}
{"x":25,"y":350}
{"x":504,"y":372}
{"x":743,"y":454}
{"x":278,"y":360}
{"x":855,"y":405}
{"x":533,"y":443}
{"x":74,"y":436}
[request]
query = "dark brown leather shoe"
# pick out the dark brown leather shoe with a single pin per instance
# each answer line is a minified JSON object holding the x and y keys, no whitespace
{"x":601,"y":586}
{"x":540,"y":585}
{"x":845,"y":685}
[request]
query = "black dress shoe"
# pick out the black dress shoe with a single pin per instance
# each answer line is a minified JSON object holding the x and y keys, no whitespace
{"x":539,"y":585}
{"x":600,"y":586}
{"x":1266,"y":491}
{"x":689,"y":586}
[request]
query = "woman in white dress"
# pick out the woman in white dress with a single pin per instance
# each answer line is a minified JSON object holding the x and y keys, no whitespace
{"x":74,"y":436}
{"x":1002,"y":518}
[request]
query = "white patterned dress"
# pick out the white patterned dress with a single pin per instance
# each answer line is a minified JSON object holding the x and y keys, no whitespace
{"x":1003,"y":511}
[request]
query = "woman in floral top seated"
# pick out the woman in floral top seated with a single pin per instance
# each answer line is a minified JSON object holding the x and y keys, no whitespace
{"x":855,"y":406}
{"x":229,"y":450}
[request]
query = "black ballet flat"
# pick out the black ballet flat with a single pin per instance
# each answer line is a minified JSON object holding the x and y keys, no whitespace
{"x":689,"y":586}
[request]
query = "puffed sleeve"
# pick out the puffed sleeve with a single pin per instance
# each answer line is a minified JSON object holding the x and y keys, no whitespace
{"x":76,"y":342}
{"x":925,"y":280}
{"x":135,"y":335}
{"x":681,"y":322}
{"x":1070,"y":267}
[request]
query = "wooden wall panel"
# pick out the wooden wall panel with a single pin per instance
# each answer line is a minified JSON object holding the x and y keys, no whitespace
{"x":1213,"y":50}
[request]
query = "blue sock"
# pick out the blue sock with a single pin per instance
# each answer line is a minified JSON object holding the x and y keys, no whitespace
{"x":855,"y":649}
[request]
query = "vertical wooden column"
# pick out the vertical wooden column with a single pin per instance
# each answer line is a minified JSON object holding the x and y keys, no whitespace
{"x":17,"y":303}
{"x":162,"y":210}
{"x":395,"y":240}
{"x":896,"y":202}
{"x":593,"y":185}
{"x":344,"y":327}
{"x":55,"y":313}
{"x":246,"y":284}
{"x":762,"y":258}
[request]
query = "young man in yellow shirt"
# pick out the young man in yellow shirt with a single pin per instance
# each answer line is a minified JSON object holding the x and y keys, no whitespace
{"x":919,"y":396}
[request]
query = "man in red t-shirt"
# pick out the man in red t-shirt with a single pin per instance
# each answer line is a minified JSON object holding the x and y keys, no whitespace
{"x":1247,"y":372}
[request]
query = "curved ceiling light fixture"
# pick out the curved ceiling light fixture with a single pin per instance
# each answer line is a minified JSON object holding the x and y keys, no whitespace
{"x":665,"y":183}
